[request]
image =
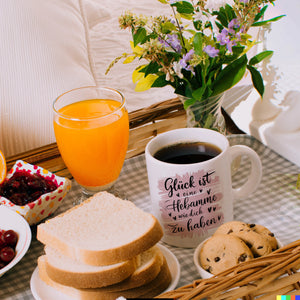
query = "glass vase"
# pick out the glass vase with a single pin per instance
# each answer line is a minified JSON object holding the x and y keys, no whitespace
{"x":206,"y":113}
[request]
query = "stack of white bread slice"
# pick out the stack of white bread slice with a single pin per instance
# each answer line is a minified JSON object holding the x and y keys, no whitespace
{"x":103,"y":248}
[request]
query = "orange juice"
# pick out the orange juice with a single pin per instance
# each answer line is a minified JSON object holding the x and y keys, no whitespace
{"x":92,"y":137}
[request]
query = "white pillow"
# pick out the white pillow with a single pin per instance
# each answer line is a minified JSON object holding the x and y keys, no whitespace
{"x":44,"y":52}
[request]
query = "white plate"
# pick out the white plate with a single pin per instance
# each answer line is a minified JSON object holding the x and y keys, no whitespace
{"x":174,"y":266}
{"x":41,"y":291}
{"x":12,"y":220}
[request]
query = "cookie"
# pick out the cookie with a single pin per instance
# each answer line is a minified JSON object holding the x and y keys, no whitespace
{"x":266,"y":233}
{"x":223,"y":251}
{"x":258,"y":244}
{"x":233,"y":226}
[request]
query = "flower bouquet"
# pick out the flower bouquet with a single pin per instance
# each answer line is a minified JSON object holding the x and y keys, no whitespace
{"x":200,"y":50}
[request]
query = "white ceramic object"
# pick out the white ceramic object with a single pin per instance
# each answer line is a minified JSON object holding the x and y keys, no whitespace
{"x":192,"y":200}
{"x":12,"y":220}
{"x":203,"y":274}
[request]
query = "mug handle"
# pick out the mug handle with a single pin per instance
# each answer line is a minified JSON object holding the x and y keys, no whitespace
{"x":255,"y":175}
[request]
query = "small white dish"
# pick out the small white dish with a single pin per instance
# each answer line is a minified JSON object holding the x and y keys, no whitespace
{"x":41,"y":291}
{"x":202,"y":272}
{"x":36,"y":211}
{"x":174,"y":266}
{"x":12,"y":220}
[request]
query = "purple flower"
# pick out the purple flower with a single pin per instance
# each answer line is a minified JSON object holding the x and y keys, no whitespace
{"x":234,"y":23}
{"x":229,"y":37}
{"x":171,"y":41}
{"x":185,"y":59}
{"x":229,"y":46}
{"x":223,"y":37}
{"x":211,"y":51}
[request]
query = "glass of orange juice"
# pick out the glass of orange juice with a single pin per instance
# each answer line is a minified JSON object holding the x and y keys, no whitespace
{"x":92,"y":129}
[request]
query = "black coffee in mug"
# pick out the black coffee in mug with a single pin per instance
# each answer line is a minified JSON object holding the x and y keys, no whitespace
{"x":187,"y":153}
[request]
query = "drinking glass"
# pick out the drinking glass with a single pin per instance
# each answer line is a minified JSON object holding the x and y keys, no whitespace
{"x":92,"y":130}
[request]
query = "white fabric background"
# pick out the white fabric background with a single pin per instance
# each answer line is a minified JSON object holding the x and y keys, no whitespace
{"x":45,"y":47}
{"x":43,"y":53}
{"x":109,"y":42}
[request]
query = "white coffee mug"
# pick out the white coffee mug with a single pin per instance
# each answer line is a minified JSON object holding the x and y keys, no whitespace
{"x":192,"y":200}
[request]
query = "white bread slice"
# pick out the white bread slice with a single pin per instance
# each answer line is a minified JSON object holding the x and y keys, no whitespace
{"x":151,"y":289}
{"x":150,"y":265}
{"x":67,"y":271}
{"x":102,"y":230}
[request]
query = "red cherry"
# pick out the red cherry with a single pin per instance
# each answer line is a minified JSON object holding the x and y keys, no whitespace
{"x":2,"y":243}
{"x":23,"y":187}
{"x":10,"y":238}
{"x":7,"y":254}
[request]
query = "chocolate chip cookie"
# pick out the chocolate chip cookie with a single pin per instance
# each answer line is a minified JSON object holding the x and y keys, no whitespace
{"x":223,"y":251}
{"x":266,"y":233}
{"x":259,"y":245}
{"x":232,"y":227}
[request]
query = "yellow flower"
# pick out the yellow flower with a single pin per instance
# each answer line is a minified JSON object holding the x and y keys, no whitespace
{"x":142,"y":83}
{"x":137,"y":50}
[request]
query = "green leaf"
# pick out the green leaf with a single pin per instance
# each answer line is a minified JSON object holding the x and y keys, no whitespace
{"x":160,"y":81}
{"x":197,"y":42}
{"x":197,"y":25}
{"x":139,"y":36}
{"x":163,"y":1}
{"x":186,"y":16}
{"x":229,"y":12}
{"x":259,"y":57}
{"x":197,"y":94}
{"x":209,"y":121}
{"x":151,"y":68}
{"x":188,"y":102}
{"x":257,"y":80}
{"x":238,"y":50}
{"x":230,"y":75}
{"x":236,"y":53}
{"x":148,"y":37}
{"x":184,"y":7}
{"x":261,"y":23}
{"x":221,"y":16}
{"x":167,"y":27}
{"x":261,"y":13}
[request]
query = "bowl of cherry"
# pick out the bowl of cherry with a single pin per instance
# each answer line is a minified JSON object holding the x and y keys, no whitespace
{"x":15,"y":238}
{"x":32,"y":191}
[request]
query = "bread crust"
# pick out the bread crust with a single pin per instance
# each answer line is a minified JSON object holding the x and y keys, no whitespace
{"x":151,"y":289}
{"x":140,"y":277}
{"x":92,"y":279}
{"x":117,"y":277}
{"x":100,"y":257}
